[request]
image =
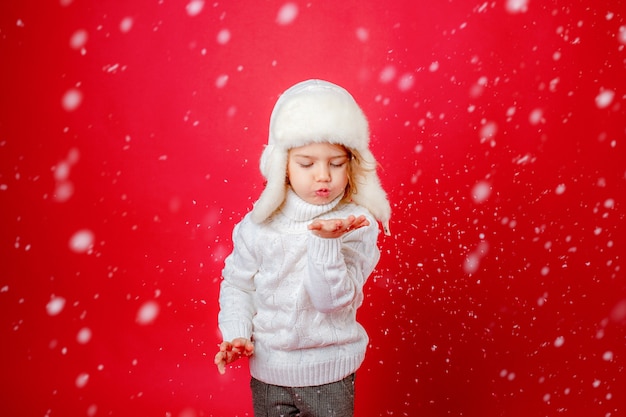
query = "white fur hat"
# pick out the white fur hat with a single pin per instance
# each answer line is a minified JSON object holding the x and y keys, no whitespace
{"x":318,"y":111}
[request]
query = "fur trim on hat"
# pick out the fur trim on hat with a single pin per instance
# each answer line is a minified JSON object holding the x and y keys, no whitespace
{"x":317,"y":111}
{"x":274,"y":169}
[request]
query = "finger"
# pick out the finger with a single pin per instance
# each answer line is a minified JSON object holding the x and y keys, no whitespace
{"x":238,"y":351}
{"x":237,"y":344}
{"x":219,"y":359}
{"x":223,"y":356}
{"x":241,"y":345}
{"x":349,"y":223}
{"x":360,"y":222}
{"x":363,"y":222}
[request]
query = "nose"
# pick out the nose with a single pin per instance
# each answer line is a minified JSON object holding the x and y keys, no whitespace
{"x":323,"y":173}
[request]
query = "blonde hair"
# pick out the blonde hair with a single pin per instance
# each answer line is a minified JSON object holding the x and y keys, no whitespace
{"x":357,"y":168}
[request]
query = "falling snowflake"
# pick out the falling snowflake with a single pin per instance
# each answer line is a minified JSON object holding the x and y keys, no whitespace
{"x":148,"y":312}
{"x":517,"y":6}
{"x":55,"y":306}
{"x":126,"y":24}
{"x":194,"y":7}
{"x":82,"y":379}
{"x":72,"y":99}
{"x":223,"y":36}
{"x":481,"y":191}
{"x":79,"y":39}
{"x":287,"y":14}
{"x":605,"y":98}
{"x":82,"y":241}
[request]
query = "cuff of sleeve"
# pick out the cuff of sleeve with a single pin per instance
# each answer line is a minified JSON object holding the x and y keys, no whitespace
{"x":323,"y":250}
{"x":233,"y":330}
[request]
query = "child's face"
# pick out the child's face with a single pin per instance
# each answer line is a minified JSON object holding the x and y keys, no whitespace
{"x":318,"y":173}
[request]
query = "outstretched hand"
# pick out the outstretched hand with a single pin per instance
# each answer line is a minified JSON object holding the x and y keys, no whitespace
{"x":337,"y":227}
{"x":231,"y":351}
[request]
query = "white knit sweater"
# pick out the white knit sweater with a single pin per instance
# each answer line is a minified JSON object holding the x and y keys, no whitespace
{"x":296,"y":294}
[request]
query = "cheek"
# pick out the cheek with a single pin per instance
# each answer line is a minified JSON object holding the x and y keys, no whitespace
{"x":292,"y":170}
{"x":345,"y":175}
{"x":294,"y":175}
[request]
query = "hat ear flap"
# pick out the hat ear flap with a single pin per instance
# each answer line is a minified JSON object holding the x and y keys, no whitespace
{"x":370,"y":193}
{"x":274,"y":168}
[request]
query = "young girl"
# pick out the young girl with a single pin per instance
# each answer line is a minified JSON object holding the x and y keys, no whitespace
{"x":295,"y":278}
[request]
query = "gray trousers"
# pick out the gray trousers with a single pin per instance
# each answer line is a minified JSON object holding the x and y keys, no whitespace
{"x":330,"y":400}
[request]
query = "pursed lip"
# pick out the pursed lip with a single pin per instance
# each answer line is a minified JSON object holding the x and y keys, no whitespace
{"x":322,"y":192}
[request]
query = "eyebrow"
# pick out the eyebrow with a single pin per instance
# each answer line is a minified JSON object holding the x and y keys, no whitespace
{"x":300,"y":155}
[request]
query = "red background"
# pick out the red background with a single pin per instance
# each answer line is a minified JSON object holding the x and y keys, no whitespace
{"x":130,"y":134}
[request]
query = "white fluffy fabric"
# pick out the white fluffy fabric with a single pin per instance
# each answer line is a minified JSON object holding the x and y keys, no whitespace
{"x":317,"y":111}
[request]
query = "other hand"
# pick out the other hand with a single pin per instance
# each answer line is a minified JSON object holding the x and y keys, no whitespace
{"x":231,"y":351}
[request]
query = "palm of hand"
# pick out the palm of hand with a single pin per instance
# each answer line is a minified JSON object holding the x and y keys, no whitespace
{"x":335,"y":228}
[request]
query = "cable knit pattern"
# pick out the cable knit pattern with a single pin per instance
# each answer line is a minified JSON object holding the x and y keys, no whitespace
{"x":296,"y":294}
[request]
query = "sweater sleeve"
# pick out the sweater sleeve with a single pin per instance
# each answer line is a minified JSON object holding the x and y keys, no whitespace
{"x":338,"y":268}
{"x":237,"y":287}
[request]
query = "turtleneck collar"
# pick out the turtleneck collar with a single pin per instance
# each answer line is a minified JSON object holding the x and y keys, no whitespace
{"x":296,"y":209}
